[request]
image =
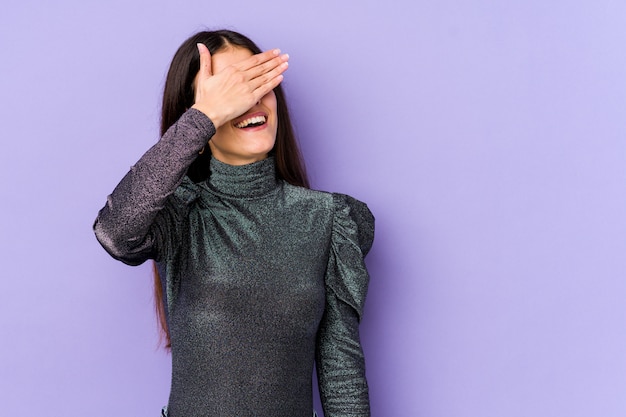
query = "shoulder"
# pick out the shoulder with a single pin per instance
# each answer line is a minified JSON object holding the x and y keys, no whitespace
{"x":353,"y":217}
{"x":346,"y":213}
{"x":186,"y":194}
{"x":335,"y":201}
{"x":340,"y":204}
{"x":352,"y":207}
{"x":306,"y":197}
{"x":307,"y":193}
{"x":352,"y":238}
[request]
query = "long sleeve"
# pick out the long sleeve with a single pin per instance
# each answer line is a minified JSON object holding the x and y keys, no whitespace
{"x":137,"y":221}
{"x":339,"y":356}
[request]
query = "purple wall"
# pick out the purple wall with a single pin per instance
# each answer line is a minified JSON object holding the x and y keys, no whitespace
{"x":487,"y":137}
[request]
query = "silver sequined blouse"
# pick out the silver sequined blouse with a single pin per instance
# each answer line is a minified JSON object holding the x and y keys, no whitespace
{"x":261,"y":279}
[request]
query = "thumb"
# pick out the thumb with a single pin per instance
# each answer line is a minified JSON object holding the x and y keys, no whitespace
{"x":205,"y":60}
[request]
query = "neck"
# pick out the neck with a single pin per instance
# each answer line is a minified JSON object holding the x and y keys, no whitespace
{"x":251,"y":180}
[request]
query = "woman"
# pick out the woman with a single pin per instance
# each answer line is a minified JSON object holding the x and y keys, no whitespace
{"x":257,"y":275}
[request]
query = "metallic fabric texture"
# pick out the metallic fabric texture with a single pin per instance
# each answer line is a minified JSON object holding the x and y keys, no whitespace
{"x":261,"y":279}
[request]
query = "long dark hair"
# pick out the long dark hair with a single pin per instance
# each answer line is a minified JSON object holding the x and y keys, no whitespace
{"x":178,"y":96}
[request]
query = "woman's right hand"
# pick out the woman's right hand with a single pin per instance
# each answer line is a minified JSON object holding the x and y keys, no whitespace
{"x":237,"y":88}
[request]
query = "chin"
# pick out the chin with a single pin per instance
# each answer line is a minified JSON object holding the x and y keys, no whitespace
{"x":260,"y":146}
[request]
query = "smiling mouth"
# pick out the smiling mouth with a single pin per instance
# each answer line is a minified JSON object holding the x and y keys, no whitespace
{"x":252,"y":122}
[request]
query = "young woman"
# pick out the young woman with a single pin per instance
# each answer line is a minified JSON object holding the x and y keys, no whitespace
{"x":257,"y":276}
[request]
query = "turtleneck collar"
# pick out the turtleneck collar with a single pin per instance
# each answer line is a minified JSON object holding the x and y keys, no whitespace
{"x":251,"y":180}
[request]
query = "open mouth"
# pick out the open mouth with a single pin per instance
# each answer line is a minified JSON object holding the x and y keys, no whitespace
{"x":250,"y":122}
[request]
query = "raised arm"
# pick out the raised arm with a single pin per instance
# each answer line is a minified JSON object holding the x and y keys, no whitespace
{"x":124,"y":224}
{"x":134,"y":225}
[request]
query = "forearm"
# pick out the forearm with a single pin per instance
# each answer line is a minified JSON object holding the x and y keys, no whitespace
{"x":341,"y":364}
{"x":123,"y":226}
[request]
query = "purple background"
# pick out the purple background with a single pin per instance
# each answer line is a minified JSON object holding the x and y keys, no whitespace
{"x":487,"y":137}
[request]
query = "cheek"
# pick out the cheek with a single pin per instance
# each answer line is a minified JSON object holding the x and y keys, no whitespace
{"x":223,"y":136}
{"x":269,"y":101}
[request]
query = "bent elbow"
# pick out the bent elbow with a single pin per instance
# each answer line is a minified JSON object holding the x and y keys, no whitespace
{"x":117,"y":246}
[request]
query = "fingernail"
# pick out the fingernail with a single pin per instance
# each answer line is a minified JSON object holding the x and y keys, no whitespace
{"x":285,"y":56}
{"x":276,"y":51}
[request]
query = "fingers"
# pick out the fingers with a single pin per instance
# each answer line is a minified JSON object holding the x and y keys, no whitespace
{"x":266,"y":71}
{"x":263,"y":71}
{"x":269,"y":80}
{"x":205,"y":60}
{"x":257,"y":59}
{"x":265,"y":88}
{"x":279,"y":63}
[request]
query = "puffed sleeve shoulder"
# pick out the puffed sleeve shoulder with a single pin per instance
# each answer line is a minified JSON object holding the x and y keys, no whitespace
{"x":339,"y":356}
{"x":352,"y":238}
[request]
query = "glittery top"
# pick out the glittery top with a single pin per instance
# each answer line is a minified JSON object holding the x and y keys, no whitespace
{"x":261,"y":278}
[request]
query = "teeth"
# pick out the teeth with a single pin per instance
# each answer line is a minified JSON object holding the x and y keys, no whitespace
{"x":252,"y":120}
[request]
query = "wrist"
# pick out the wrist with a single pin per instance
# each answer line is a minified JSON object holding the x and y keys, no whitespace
{"x":215,"y":119}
